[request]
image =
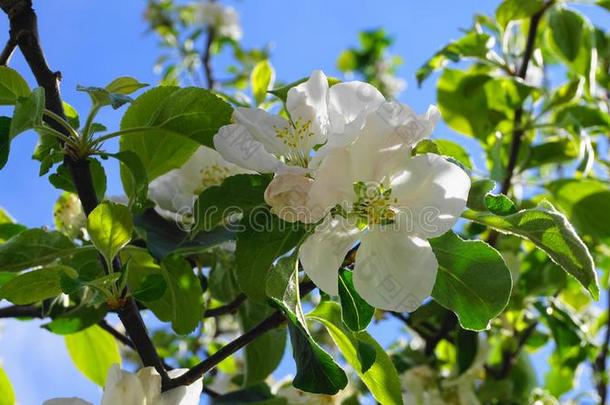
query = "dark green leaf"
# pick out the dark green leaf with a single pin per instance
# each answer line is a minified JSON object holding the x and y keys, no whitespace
{"x":34,"y":247}
{"x":355,"y":312}
{"x":77,"y":319}
{"x":136,"y":185}
{"x":36,"y":285}
{"x":511,"y":10}
{"x":566,"y":32}
{"x":152,"y":288}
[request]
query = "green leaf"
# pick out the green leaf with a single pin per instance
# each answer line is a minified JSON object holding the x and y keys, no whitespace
{"x":259,"y":394}
{"x":445,"y":148}
{"x":152,"y":288}
{"x":36,"y":285}
{"x":316,"y":370}
{"x":472,"y":280}
{"x":575,"y":117}
{"x":500,"y":204}
{"x":110,"y":226}
{"x":264,"y":238}
{"x":171,"y":123}
{"x":71,"y":115}
{"x":511,"y":10}
{"x":355,"y":312}
{"x":473,"y":44}
{"x":550,"y":231}
{"x":552,"y":151}
{"x":238,"y":194}
{"x":7,"y":395}
{"x":566,"y":32}
{"x":135,"y":182}
{"x":62,"y":178}
{"x":164,"y":237}
{"x":585,"y":202}
{"x":5,"y":141}
{"x":264,"y":354}
{"x":604,"y":3}
{"x":476,"y":196}
{"x":182,"y":301}
{"x":101,"y":97}
{"x":261,"y":79}
{"x":12,"y":86}
{"x":125,"y":85}
{"x":94,"y":352}
{"x":381,"y":378}
{"x":565,"y":94}
{"x":77,"y":319}
{"x":28,"y":112}
{"x":222,"y":282}
{"x":34,"y":247}
{"x":282,"y":92}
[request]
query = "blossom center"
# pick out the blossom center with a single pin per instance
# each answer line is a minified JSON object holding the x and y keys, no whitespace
{"x":213,"y":175}
{"x":373,"y":204}
{"x":296,"y":137}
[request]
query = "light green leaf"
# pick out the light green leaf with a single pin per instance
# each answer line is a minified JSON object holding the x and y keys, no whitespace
{"x":136,"y":188}
{"x":36,"y":285}
{"x":124,"y":85}
{"x":28,"y":112}
{"x":445,"y":148}
{"x":12,"y":86}
{"x":510,"y":10}
{"x":264,"y":238}
{"x":71,"y":115}
{"x":472,"y":280}
{"x":93,"y":351}
{"x":110,"y":226}
{"x":381,"y":378}
{"x":550,"y":231}
{"x":169,"y":124}
{"x":261,"y":79}
{"x":7,"y":395}
{"x":34,"y":247}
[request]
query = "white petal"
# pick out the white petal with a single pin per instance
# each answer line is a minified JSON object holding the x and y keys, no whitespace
{"x":333,"y":183}
{"x":308,"y":102}
{"x":236,"y":145}
{"x":323,"y":252}
{"x":431,"y":193}
{"x":397,"y":122}
{"x":123,"y":387}
{"x":348,"y":105}
{"x":66,"y":401}
{"x":183,"y":395}
{"x":393,"y":271}
{"x":263,"y":127}
{"x":151,"y":383}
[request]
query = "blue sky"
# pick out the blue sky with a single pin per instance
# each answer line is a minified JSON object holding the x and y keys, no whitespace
{"x":92,"y":42}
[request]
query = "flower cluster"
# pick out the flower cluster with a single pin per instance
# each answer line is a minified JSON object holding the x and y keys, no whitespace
{"x":222,"y":19}
{"x":342,"y":160}
{"x":141,"y":388}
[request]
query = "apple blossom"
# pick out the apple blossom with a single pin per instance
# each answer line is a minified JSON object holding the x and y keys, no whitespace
{"x":141,"y":388}
{"x":389,"y":201}
{"x":223,"y":19}
{"x":175,"y":192}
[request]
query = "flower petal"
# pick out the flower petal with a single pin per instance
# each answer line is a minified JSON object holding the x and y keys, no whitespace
{"x":431,"y":193}
{"x":323,"y":252}
{"x":151,"y":383}
{"x":393,"y":271}
{"x":122,"y":387}
{"x":348,"y":105}
{"x":398,"y":123}
{"x":183,"y":395}
{"x":263,"y":127}
{"x":237,"y":145}
{"x":308,"y":102}
{"x":333,"y":182}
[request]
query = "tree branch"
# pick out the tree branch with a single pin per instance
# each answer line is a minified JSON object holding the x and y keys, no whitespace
{"x":7,"y":52}
{"x":509,"y":358}
{"x":231,"y":307}
{"x":24,"y":30}
{"x":206,"y":59}
{"x":21,"y":311}
{"x":270,"y":323}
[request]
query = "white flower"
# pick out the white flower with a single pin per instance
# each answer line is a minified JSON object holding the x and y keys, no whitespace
{"x":175,"y":192}
{"x":392,"y":203}
{"x":268,"y":143}
{"x":224,"y":20}
{"x":141,"y":388}
{"x":68,"y":215}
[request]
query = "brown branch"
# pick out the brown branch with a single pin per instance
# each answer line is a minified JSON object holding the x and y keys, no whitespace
{"x":206,"y":59}
{"x":229,"y":308}
{"x":270,"y":323}
{"x":24,"y":30}
{"x":7,"y":52}
{"x":21,"y":311}
{"x":509,"y":357}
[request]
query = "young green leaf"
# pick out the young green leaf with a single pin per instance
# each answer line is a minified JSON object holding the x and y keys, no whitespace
{"x":316,"y":370}
{"x":169,"y":123}
{"x":36,"y":285}
{"x":550,"y":231}
{"x":12,"y":86}
{"x":355,"y":312}
{"x":567,"y":29}
{"x":28,"y":112}
{"x":34,"y":247}
{"x":265,"y":238}
{"x":7,"y":395}
{"x":135,"y":182}
{"x":472,"y":281}
{"x":261,"y":79}
{"x":381,"y":377}
{"x":110,"y":226}
{"x":93,"y":351}
{"x":510,"y":10}
{"x":124,"y":85}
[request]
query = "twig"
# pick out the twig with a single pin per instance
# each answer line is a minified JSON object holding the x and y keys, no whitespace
{"x":270,"y":323}
{"x":229,"y":308}
{"x":7,"y":52}
{"x":117,"y":335}
{"x":24,"y":29}
{"x":206,"y":58}
{"x":21,"y":311}
{"x":509,"y":357}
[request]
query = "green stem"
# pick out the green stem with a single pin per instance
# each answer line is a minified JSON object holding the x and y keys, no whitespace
{"x":61,"y":122}
{"x":89,"y":122}
{"x":111,"y":135}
